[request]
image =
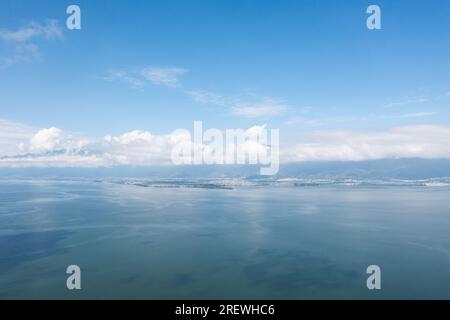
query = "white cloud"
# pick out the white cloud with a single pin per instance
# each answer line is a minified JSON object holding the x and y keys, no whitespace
{"x":12,"y":134}
{"x":120,"y":75}
{"x":301,"y":121}
{"x":421,"y":141}
{"x":306,"y":109}
{"x":49,"y":30}
{"x":137,"y":78}
{"x":265,"y":108}
{"x":170,"y":77}
{"x":415,"y":115}
{"x":12,"y":130}
{"x":163,"y":76}
{"x":54,"y":139}
{"x":63,"y":160}
{"x":203,"y":96}
{"x":53,"y":147}
{"x":23,"y":40}
{"x":415,"y":100}
{"x":46,"y":139}
{"x":140,"y":147}
{"x":244,"y":106}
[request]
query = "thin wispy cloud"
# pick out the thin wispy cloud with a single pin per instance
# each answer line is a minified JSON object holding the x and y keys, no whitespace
{"x":244,"y":106}
{"x":306,"y":109}
{"x":23,"y":43}
{"x":163,"y":76}
{"x":317,"y":122}
{"x":12,"y":134}
{"x":267,"y":107}
{"x":414,"y":115}
{"x":138,"y":78}
{"x":49,"y":30}
{"x":247,"y":107}
{"x":302,"y":121}
{"x":405,"y":102}
{"x":207,"y":97}
{"x":124,"y":76}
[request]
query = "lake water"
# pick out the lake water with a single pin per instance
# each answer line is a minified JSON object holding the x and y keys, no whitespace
{"x":244,"y":242}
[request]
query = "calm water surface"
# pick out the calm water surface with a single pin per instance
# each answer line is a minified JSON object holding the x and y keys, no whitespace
{"x":249,"y":242}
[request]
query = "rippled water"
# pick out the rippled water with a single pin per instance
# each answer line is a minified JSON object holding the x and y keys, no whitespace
{"x":292,"y":241}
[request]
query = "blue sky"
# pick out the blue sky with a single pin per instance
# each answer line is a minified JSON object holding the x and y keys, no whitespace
{"x":159,"y":65}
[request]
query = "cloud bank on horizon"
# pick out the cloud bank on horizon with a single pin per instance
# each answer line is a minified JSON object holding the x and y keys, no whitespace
{"x":24,"y":146}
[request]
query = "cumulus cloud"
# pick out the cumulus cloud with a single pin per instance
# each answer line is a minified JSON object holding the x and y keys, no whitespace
{"x":53,"y":139}
{"x":53,"y":147}
{"x":46,"y":139}
{"x":22,"y":145}
{"x":140,"y":147}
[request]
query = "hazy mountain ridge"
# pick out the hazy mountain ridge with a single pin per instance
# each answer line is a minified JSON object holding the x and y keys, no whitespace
{"x":409,"y":169}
